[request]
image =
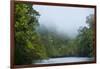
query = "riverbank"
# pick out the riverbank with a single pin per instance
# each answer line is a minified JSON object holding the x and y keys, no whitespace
{"x":64,"y":60}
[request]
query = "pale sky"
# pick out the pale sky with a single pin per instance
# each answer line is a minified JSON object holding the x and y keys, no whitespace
{"x":66,"y":20}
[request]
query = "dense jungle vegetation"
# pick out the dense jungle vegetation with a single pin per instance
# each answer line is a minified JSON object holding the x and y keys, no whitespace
{"x":35,"y":43}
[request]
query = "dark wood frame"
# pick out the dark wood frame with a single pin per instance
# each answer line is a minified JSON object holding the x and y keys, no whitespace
{"x":52,"y":4}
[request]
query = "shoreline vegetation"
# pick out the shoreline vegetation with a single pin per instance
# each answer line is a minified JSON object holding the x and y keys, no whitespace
{"x":33,"y":44}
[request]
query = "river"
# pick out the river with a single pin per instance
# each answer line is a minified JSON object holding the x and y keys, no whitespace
{"x":63,"y":60}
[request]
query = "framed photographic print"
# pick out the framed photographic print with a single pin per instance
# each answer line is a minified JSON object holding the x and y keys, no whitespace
{"x":49,"y":34}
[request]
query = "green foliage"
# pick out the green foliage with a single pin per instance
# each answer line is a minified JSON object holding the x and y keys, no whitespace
{"x":32,"y":44}
{"x":27,"y":43}
{"x":85,"y":38}
{"x":82,"y":45}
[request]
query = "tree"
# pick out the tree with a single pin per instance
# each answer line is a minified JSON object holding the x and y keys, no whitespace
{"x":28,"y":47}
{"x":85,"y":38}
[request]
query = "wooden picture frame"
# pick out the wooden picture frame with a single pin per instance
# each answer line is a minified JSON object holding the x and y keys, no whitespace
{"x":13,"y":14}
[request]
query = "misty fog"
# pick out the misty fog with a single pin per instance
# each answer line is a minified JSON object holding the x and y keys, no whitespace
{"x":64,"y":21}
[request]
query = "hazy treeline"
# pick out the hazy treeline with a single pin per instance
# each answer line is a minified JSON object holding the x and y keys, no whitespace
{"x":33,"y":42}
